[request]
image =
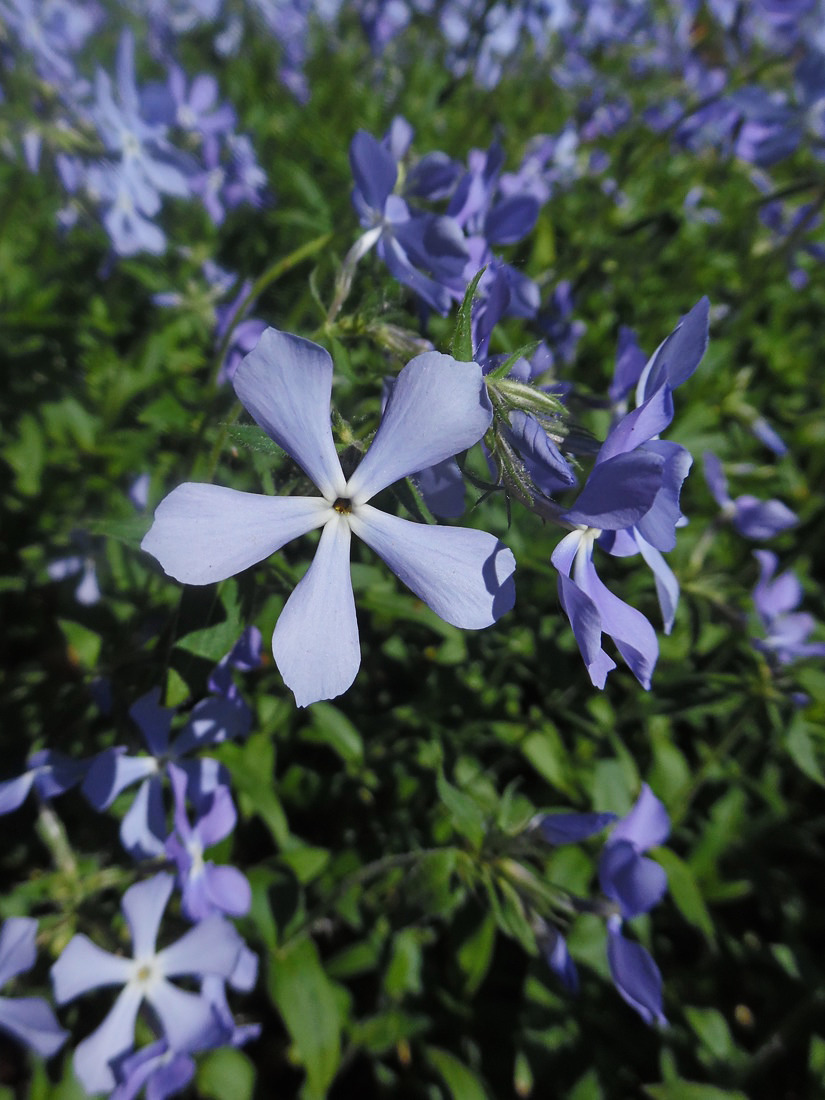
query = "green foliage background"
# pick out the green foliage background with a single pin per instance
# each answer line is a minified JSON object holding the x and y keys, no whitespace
{"x":381,"y":831}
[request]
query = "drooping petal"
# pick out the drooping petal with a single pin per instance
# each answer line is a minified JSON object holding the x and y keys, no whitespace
{"x":285,"y":383}
{"x":667,"y":586}
{"x":636,"y":976}
{"x":32,"y":1021}
{"x":465,"y":576}
{"x":437,"y":407}
{"x":647,"y":824}
{"x":315,"y":643}
{"x":114,"y":1037}
{"x":571,"y":828}
{"x":634,"y":881}
{"x":143,"y":906}
{"x":84,"y":966}
{"x":206,"y":533}
{"x":17,"y":947}
{"x":211,"y":947}
{"x":587,"y":628}
{"x":635,"y":638}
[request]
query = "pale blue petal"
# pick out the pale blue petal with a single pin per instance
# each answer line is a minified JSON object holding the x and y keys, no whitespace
{"x":667,"y":587}
{"x":184,"y":1016}
{"x":32,"y":1021}
{"x":114,"y":1037}
{"x":18,"y":952}
{"x":111,"y":772}
{"x":635,"y":638}
{"x":83,"y":966}
{"x":286,"y":384}
{"x":636,"y":976}
{"x":143,"y":906}
{"x":315,"y":643}
{"x":211,"y":947}
{"x":13,"y":792}
{"x":641,"y":425}
{"x":206,"y":533}
{"x":465,"y":576}
{"x":587,"y":629}
{"x":143,"y":828}
{"x":437,"y":408}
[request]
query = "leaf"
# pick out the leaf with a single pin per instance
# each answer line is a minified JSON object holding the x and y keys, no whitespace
{"x":252,"y":438}
{"x":461,"y":1081}
{"x":691,"y":1090}
{"x":83,"y":644}
{"x":304,"y":995}
{"x":686,"y":894}
{"x":462,"y":342}
{"x":331,"y":727}
{"x":130,"y":530}
{"x":466,"y":815}
{"x":711,"y":1028}
{"x":801,"y":749}
{"x":476,"y":953}
{"x":252,"y":766}
{"x":212,"y":642}
{"x":226,"y":1074}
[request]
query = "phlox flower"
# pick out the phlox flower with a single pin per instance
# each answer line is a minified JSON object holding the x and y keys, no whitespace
{"x":204,"y":533}
{"x":187,"y":1019}
{"x":30,"y":1020}
{"x":50,"y":773}
{"x":750,"y":516}
{"x":786,"y":630}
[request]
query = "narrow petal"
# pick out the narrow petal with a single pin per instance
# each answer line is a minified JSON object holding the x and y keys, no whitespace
{"x":143,"y":828}
{"x":635,"y":638}
{"x":636,"y":976}
{"x":437,"y":407}
{"x":315,"y":643}
{"x":143,"y":906}
{"x":32,"y":1021}
{"x":17,"y":947}
{"x":114,"y":1037}
{"x":677,"y":357}
{"x":84,"y":966}
{"x":219,"y":820}
{"x":587,"y":628}
{"x":557,"y":956}
{"x":571,"y":828}
{"x":153,"y":720}
{"x":667,"y":586}
{"x":205,"y":533}
{"x":286,"y":385}
{"x":211,"y":947}
{"x":647,"y":824}
{"x":465,"y":576}
{"x":640,"y":425}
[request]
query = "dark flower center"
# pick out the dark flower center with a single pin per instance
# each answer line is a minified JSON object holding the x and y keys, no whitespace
{"x":343,"y":506}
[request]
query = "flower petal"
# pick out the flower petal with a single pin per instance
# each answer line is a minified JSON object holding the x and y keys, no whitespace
{"x":112,"y":772}
{"x":211,"y":947}
{"x":634,"y":881}
{"x":84,"y":966}
{"x":17,"y":948}
{"x":619,"y":491}
{"x":185,"y":1017}
{"x":114,"y":1037}
{"x":465,"y":576}
{"x":437,"y":407}
{"x":205,"y":533}
{"x":647,"y":824}
{"x":13,"y":792}
{"x":286,"y":385}
{"x":32,"y":1021}
{"x":571,"y":828}
{"x":315,"y":643}
{"x":143,"y":906}
{"x":636,"y":976}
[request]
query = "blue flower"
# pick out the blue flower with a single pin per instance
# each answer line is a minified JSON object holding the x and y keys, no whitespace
{"x":30,"y":1020}
{"x":205,"y":533}
{"x":752,"y":517}
{"x":211,"y":947}
{"x":786,"y":630}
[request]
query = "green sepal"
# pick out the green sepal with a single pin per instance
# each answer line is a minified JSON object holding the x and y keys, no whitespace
{"x":461,"y":347}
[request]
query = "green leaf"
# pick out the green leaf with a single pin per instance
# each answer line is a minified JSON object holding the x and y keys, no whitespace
{"x":461,"y":1082}
{"x":212,"y":642}
{"x":686,"y":894}
{"x":711,"y":1028}
{"x":503,"y":369}
{"x":466,"y":815}
{"x":84,"y":645}
{"x":226,"y":1074}
{"x":690,"y":1090}
{"x":331,"y":727}
{"x":801,"y":749}
{"x":305,"y":997}
{"x":476,"y":953}
{"x":129,"y":530}
{"x":253,"y":766}
{"x":462,"y":343}
{"x":252,"y":438}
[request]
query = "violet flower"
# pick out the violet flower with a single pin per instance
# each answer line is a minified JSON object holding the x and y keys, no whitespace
{"x":437,"y":408}
{"x":49,"y":772}
{"x":750,"y":516}
{"x":211,"y":947}
{"x":786,"y":630}
{"x":30,"y":1020}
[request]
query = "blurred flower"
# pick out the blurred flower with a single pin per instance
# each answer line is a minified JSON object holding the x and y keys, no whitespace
{"x":30,"y":1020}
{"x":786,"y":630}
{"x":753,"y":518}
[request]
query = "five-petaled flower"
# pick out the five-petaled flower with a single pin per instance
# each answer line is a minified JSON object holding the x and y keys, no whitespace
{"x":204,"y":533}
